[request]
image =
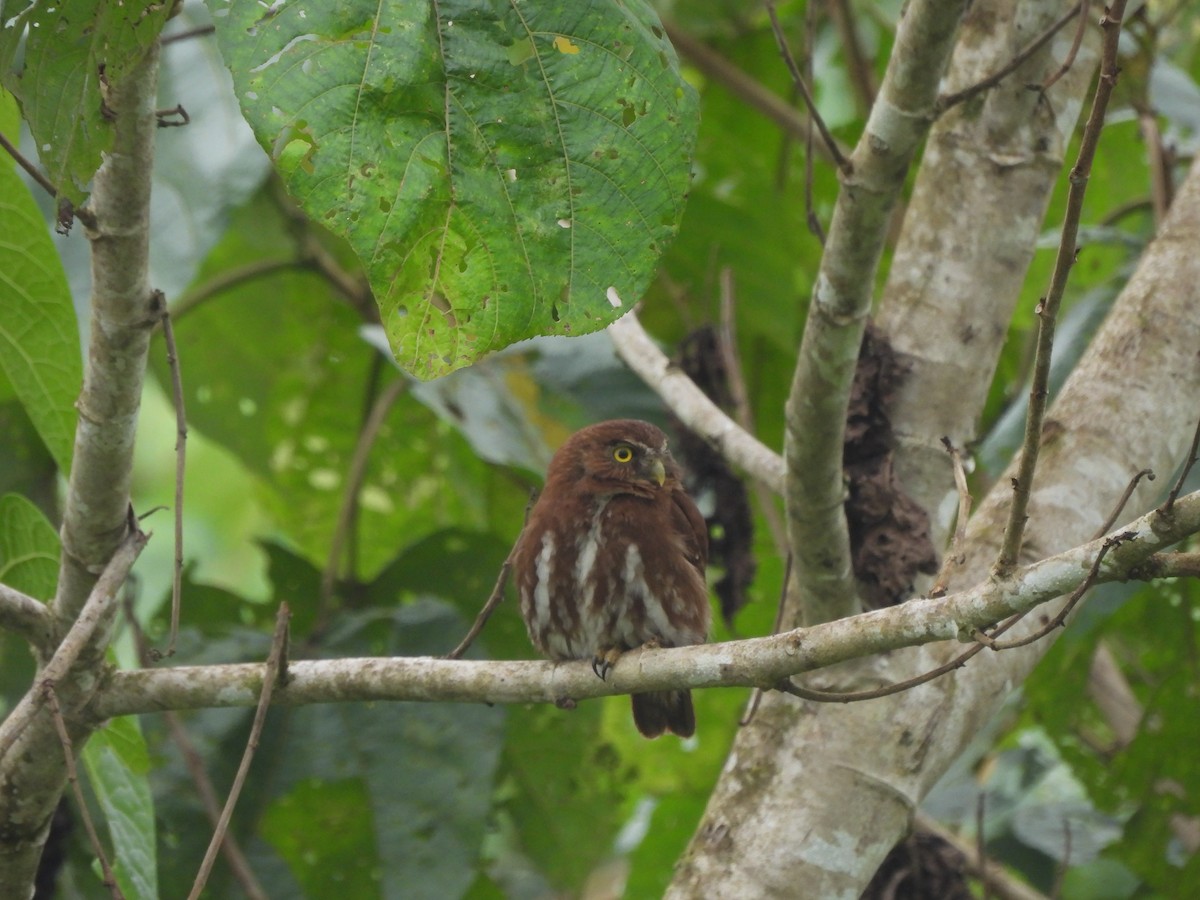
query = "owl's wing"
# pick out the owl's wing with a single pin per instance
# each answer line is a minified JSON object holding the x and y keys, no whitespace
{"x":691,"y":526}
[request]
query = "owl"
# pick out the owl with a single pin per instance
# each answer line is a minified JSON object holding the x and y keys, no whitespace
{"x":612,"y":557}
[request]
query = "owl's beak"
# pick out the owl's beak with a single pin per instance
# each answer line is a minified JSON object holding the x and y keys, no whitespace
{"x":658,"y":471}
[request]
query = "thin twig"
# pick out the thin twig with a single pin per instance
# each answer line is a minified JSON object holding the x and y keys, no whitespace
{"x":980,"y":842}
{"x":756,"y":695}
{"x":789,"y":687}
{"x":1160,"y":161}
{"x":239,"y":866}
{"x":489,"y":607}
{"x":1076,"y":595}
{"x":947,"y":101}
{"x":270,"y":677}
{"x":198,"y":31}
{"x":30,"y":618}
{"x":810,"y":211}
{"x":692,"y":406}
{"x":742,"y":412}
{"x":30,"y":169}
{"x":839,"y":159}
{"x":1166,"y":508}
{"x":982,"y":638}
{"x":1080,"y":29}
{"x":741,"y":85}
{"x":991,"y":874}
{"x":1060,"y":870}
{"x":194,"y":763}
{"x":232,"y":278}
{"x":955,"y":557}
{"x":1129,"y":489}
{"x":497,"y":594}
{"x":97,"y":609}
{"x":354,"y":479}
{"x":162,"y":115}
{"x":109,"y":879}
{"x":1014,"y":529}
{"x":861,"y":75}
{"x":181,"y":432}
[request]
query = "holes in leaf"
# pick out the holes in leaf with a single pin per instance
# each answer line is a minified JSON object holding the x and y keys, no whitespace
{"x":520,"y":52}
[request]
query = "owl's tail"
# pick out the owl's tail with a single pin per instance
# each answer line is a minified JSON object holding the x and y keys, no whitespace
{"x":660,"y":711}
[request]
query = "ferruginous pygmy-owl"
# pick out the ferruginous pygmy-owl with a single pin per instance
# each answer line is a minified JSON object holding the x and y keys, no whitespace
{"x":613,"y":557}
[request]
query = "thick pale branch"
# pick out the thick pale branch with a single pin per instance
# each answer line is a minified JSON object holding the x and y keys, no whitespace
{"x":97,"y":502}
{"x":1004,"y":155}
{"x":691,"y":405}
{"x":755,"y":662}
{"x":123,"y":318}
{"x":23,"y":615}
{"x":816,"y":409}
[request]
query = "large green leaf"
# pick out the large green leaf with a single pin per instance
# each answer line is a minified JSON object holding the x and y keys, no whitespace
{"x":39,"y":336}
{"x":276,"y":373}
{"x":503,"y":170}
{"x":116,"y":762}
{"x":28,"y":548}
{"x":28,"y":562}
{"x":384,"y":799}
{"x":72,"y":51}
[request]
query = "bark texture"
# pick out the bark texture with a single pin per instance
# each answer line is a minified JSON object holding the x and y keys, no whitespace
{"x":816,"y":795}
{"x":970,"y":232}
{"x":33,"y":771}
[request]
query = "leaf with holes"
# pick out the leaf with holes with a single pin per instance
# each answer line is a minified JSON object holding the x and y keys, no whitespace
{"x":502,"y":170}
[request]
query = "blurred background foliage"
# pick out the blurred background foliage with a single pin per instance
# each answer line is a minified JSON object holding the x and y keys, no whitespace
{"x":281,"y":374}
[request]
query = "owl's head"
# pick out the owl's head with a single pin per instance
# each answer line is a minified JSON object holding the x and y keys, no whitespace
{"x":621,"y":455}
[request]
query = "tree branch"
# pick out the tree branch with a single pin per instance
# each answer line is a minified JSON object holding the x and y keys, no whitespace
{"x":1006,"y":157}
{"x":1022,"y":485}
{"x":790,"y":120}
{"x":97,"y":501}
{"x":123,"y":319}
{"x":691,"y":406}
{"x":747,"y":663}
{"x":29,"y":618}
{"x":817,"y":404}
{"x":1129,"y":404}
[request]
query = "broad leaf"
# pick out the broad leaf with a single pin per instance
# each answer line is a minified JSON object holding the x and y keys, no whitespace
{"x":72,"y":52}
{"x":39,"y":336}
{"x":28,"y":548}
{"x":501,"y":170}
{"x":117,"y":762}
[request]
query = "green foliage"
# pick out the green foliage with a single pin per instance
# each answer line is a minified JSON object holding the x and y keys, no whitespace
{"x":29,"y":551}
{"x":501,"y":171}
{"x":39,"y":338}
{"x":72,"y":53}
{"x":361,"y":800}
{"x":117,"y":765}
{"x":435,"y":150}
{"x":28,"y":548}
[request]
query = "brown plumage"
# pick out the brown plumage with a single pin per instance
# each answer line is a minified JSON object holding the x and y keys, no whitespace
{"x":613,"y":557}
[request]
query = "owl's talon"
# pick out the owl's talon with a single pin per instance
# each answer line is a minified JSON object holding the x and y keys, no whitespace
{"x":603,"y":661}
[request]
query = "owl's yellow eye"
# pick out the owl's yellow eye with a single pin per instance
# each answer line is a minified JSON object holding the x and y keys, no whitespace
{"x":622,"y":454}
